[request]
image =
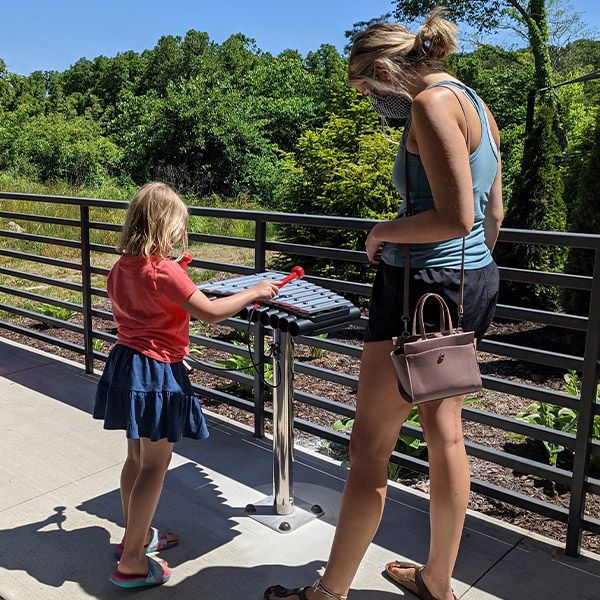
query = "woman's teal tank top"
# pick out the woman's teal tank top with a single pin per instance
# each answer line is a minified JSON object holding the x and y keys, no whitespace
{"x":484,"y":166}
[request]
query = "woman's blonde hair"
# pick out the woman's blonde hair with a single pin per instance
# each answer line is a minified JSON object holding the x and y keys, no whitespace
{"x":156,"y":222}
{"x":392,"y":48}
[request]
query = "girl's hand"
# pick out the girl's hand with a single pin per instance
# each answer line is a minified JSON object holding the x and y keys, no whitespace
{"x":373,"y":247}
{"x":265,"y":290}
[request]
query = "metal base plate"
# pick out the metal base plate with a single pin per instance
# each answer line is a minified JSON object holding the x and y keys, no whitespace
{"x":263,"y":511}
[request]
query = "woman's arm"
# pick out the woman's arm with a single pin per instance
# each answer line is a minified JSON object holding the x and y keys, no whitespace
{"x":494,"y":211}
{"x":445,"y":156}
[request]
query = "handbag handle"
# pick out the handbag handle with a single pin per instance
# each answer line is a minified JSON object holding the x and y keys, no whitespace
{"x":446,"y":325}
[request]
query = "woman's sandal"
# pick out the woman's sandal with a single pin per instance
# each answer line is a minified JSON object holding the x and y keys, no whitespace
{"x":158,"y":573}
{"x":317,"y":586}
{"x":416,"y":586}
{"x":159,"y":540}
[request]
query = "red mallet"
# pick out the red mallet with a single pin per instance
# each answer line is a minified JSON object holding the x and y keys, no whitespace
{"x":295,"y":273}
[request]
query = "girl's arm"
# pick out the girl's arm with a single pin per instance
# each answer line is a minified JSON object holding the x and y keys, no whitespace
{"x":213,"y":311}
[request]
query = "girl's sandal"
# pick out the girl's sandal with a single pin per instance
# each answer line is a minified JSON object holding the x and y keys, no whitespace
{"x":159,"y":540}
{"x":416,"y":586}
{"x":317,"y":586}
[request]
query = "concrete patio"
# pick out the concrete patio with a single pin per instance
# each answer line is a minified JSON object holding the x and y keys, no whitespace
{"x":60,"y":511}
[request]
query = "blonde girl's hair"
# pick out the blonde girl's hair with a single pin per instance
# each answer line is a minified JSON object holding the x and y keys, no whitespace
{"x":156,"y":223}
{"x":393,"y":48}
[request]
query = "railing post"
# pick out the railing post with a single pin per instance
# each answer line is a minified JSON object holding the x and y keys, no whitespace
{"x":260,"y":240}
{"x":586,"y":417}
{"x":86,"y":281}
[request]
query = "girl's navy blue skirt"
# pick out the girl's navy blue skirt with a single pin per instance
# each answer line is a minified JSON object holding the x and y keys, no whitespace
{"x":148,"y":398}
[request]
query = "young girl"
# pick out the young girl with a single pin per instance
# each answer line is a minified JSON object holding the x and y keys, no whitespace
{"x":145,"y":389}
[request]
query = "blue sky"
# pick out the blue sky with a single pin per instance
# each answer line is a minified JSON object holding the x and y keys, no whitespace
{"x":46,"y":35}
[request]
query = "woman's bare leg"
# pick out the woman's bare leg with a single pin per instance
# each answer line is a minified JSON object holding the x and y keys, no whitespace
{"x":450,"y":484}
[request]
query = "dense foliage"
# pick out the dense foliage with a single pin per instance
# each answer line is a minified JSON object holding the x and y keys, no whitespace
{"x":231,"y":121}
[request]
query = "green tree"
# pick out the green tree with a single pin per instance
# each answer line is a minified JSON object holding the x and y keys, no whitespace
{"x":583,"y":180}
{"x":343,"y":168}
{"x":491,"y":14}
{"x":538,"y":204}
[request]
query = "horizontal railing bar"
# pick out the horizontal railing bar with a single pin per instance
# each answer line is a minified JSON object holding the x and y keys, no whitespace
{"x":99,"y":292}
{"x":215,"y":344}
{"x":36,"y":316}
{"x":39,"y":298}
{"x":102,"y":314}
{"x":339,"y":408}
{"x":73,"y":201}
{"x":330,"y":346}
{"x":516,"y":426}
{"x":77,"y":287}
{"x":318,"y":251}
{"x":534,"y":355}
{"x":577,"y":282}
{"x":591,"y":524}
{"x":518,"y":463}
{"x":550,"y":238}
{"x":236,"y":376}
{"x":100,"y":271}
{"x":223,"y":267}
{"x":40,"y":219}
{"x":339,"y":285}
{"x":30,"y":237}
{"x":223,"y":397}
{"x":350,"y":381}
{"x":36,"y":335}
{"x":222,"y":240}
{"x":41,"y":259}
{"x":99,"y":225}
{"x":104,"y":249}
{"x":103,"y":335}
{"x":516,"y":313}
{"x":530,"y":392}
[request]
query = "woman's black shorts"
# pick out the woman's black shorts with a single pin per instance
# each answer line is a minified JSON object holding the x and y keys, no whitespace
{"x":385,"y":309}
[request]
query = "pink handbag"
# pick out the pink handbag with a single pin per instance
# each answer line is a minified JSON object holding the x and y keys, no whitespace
{"x":443,"y":364}
{"x":433,"y":366}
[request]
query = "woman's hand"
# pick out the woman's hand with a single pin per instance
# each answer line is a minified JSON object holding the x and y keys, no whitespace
{"x":373,"y":246}
{"x":265,"y":290}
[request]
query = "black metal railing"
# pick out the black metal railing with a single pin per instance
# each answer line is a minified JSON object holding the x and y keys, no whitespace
{"x":584,"y":446}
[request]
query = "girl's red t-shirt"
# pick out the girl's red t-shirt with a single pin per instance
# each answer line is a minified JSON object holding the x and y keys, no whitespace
{"x":146,"y":296}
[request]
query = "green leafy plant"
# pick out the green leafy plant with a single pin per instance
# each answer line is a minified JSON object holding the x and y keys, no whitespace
{"x":318,"y":352}
{"x":551,"y":416}
{"x":243,"y":364}
{"x":57,"y":312}
{"x":97,"y":345}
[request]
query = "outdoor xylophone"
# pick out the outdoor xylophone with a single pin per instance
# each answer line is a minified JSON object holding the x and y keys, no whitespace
{"x":299,"y":308}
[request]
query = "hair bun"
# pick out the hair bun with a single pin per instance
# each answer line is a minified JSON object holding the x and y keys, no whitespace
{"x":437,"y":38}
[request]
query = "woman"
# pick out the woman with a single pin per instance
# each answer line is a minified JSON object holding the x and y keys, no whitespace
{"x":449,"y":160}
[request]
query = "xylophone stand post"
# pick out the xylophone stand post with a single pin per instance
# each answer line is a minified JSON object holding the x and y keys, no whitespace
{"x":283,"y":423}
{"x":279,"y":511}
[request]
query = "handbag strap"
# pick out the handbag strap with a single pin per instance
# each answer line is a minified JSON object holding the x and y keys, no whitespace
{"x":408,"y":213}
